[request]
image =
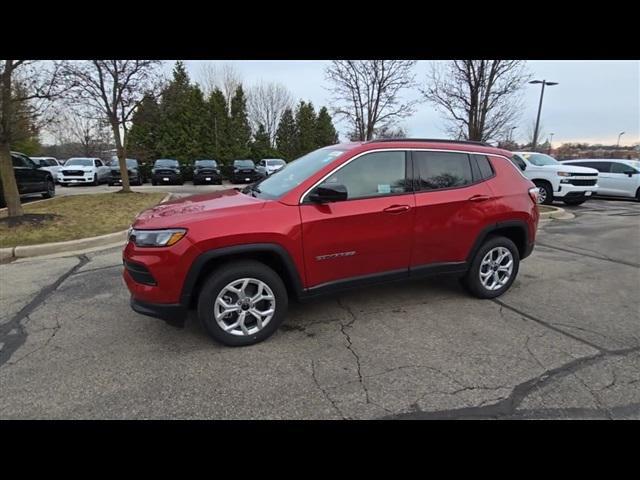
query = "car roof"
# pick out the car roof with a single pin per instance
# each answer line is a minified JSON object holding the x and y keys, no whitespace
{"x":417,"y":143}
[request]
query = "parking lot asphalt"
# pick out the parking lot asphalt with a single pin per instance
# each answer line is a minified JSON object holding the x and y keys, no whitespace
{"x":564,"y":342}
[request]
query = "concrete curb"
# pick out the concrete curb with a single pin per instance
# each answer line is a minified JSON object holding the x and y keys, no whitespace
{"x":109,"y":240}
{"x":557,"y":213}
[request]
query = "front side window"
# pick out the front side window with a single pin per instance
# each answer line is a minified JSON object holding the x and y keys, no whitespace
{"x":621,"y":168}
{"x":518,"y":162}
{"x":437,"y":170}
{"x":98,"y":163}
{"x":373,"y":175}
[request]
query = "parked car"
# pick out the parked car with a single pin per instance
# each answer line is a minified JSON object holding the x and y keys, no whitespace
{"x":49,"y":163}
{"x":166,"y":171}
{"x":206,"y":171}
{"x":269,"y":166}
{"x":80,"y":170}
{"x":136,"y":177}
{"x":244,"y":171}
{"x":31,"y":178}
{"x":616,"y":177}
{"x":342,"y":216}
{"x":556,"y":181}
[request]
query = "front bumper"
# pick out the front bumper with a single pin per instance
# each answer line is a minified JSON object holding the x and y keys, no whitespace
{"x":173,"y":314}
{"x":245,"y":177}
{"x":207,"y":178}
{"x":76,"y":179}
{"x":166,"y":178}
{"x":566,"y":190}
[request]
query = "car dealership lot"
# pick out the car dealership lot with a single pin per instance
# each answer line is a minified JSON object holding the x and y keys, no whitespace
{"x":564,"y":342}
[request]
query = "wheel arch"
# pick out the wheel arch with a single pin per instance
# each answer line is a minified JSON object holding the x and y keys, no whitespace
{"x":273,"y":255}
{"x":515,"y":230}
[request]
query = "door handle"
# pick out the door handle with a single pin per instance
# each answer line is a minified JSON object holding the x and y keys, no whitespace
{"x":479,"y":198}
{"x":397,"y":209}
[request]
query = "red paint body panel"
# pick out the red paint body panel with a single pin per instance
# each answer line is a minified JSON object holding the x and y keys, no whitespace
{"x":438,"y":226}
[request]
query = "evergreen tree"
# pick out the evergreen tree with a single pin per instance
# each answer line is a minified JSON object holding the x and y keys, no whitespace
{"x":239,"y":131}
{"x":144,"y":132}
{"x":217,"y":126}
{"x":325,"y":131}
{"x":183,"y":119}
{"x":286,"y":136}
{"x":305,"y":128}
{"x":261,"y":146}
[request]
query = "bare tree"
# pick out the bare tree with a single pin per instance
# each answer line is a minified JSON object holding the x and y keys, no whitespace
{"x":480,"y":97}
{"x":398,"y":132}
{"x":112,"y":90}
{"x":225,"y":77}
{"x":267,"y":102}
{"x":367,"y":93}
{"x":26,"y":89}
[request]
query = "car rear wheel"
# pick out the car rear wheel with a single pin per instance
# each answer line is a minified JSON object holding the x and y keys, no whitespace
{"x":638,"y":195}
{"x":51,"y":190}
{"x":545,"y":193}
{"x":493,"y":269}
{"x":242,"y":303}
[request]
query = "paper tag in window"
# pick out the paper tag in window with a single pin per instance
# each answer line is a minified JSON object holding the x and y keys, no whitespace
{"x":384,"y":188}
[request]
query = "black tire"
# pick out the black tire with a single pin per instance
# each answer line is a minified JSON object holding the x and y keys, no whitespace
{"x":153,"y":182}
{"x":96,"y":181}
{"x":548,"y":192}
{"x":472,"y":279}
{"x":51,"y":189}
{"x":638,"y":195}
{"x":220,"y":278}
{"x":574,"y":201}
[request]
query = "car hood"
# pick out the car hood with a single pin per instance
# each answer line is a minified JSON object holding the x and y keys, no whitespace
{"x":180,"y":212}
{"x":563,"y":167}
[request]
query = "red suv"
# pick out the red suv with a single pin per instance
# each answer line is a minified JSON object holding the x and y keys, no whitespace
{"x":342,"y":216}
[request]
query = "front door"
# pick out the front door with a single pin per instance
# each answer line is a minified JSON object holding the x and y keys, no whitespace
{"x":370,"y":232}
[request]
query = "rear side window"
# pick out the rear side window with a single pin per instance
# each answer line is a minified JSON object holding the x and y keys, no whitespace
{"x":603,"y":167}
{"x":486,"y":171}
{"x":518,"y":162}
{"x":437,"y":170}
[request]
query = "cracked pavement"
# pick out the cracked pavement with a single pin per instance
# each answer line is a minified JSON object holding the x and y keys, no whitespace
{"x":563,"y":343}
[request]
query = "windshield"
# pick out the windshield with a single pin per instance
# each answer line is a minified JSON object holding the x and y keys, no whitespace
{"x":296,"y":172}
{"x":539,"y":159}
{"x":166,"y":163}
{"x":85,"y":162}
{"x":243,"y":164}
{"x":206,"y":163}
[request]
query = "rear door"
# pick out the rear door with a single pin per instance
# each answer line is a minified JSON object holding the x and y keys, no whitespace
{"x":451,"y":198}
{"x":369,"y":233}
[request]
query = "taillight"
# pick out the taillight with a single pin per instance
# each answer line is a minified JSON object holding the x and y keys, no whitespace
{"x":533,"y":193}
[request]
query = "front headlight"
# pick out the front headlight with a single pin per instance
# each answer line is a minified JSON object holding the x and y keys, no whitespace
{"x":564,"y":174}
{"x":156,"y":238}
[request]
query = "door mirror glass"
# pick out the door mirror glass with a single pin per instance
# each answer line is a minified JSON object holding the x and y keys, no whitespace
{"x":328,"y":192}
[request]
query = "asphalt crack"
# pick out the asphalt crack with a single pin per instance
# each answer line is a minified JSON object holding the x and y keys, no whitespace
{"x":324,"y":391}
{"x":13,"y":333}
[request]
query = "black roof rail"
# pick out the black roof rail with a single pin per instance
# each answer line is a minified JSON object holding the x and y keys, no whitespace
{"x":435,"y":140}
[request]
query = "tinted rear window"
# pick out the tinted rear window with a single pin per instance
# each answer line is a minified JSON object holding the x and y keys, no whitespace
{"x":436,"y":170}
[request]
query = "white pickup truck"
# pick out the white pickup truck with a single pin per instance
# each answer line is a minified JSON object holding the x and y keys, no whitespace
{"x":557,"y":181}
{"x":90,"y":171}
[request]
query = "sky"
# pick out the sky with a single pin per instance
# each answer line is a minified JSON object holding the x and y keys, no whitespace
{"x":593,"y":103}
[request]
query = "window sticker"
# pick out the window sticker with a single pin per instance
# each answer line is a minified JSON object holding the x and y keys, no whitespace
{"x":384,"y":188}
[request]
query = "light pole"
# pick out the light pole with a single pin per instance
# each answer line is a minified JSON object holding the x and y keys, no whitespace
{"x":511,"y":133}
{"x":618,"y":144}
{"x":550,"y":140}
{"x":535,"y":133}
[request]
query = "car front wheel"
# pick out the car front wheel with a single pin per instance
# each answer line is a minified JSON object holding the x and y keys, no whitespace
{"x":242,"y":303}
{"x":493,"y":269}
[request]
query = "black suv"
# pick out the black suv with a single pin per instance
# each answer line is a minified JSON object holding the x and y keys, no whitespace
{"x":166,"y":171}
{"x":244,"y":171}
{"x":206,"y":171}
{"x":30,"y":177}
{"x":136,"y":177}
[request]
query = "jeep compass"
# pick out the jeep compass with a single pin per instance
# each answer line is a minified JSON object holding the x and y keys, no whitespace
{"x":342,"y":216}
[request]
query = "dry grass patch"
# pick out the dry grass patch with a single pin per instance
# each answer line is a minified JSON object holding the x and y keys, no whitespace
{"x":74,"y":217}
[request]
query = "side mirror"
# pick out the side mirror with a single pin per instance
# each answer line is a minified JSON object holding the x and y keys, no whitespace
{"x":523,"y":167}
{"x":630,"y":173}
{"x":328,"y":192}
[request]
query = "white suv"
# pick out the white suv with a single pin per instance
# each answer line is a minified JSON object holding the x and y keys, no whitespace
{"x":269,"y":166}
{"x":617,"y":178}
{"x":557,"y":181}
{"x":84,"y":170}
{"x":50,"y":164}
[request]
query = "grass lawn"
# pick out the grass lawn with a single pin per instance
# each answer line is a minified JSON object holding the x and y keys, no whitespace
{"x":74,"y":217}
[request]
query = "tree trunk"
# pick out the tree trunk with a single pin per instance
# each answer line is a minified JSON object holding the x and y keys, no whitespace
{"x":9,"y":185}
{"x":122,"y":158}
